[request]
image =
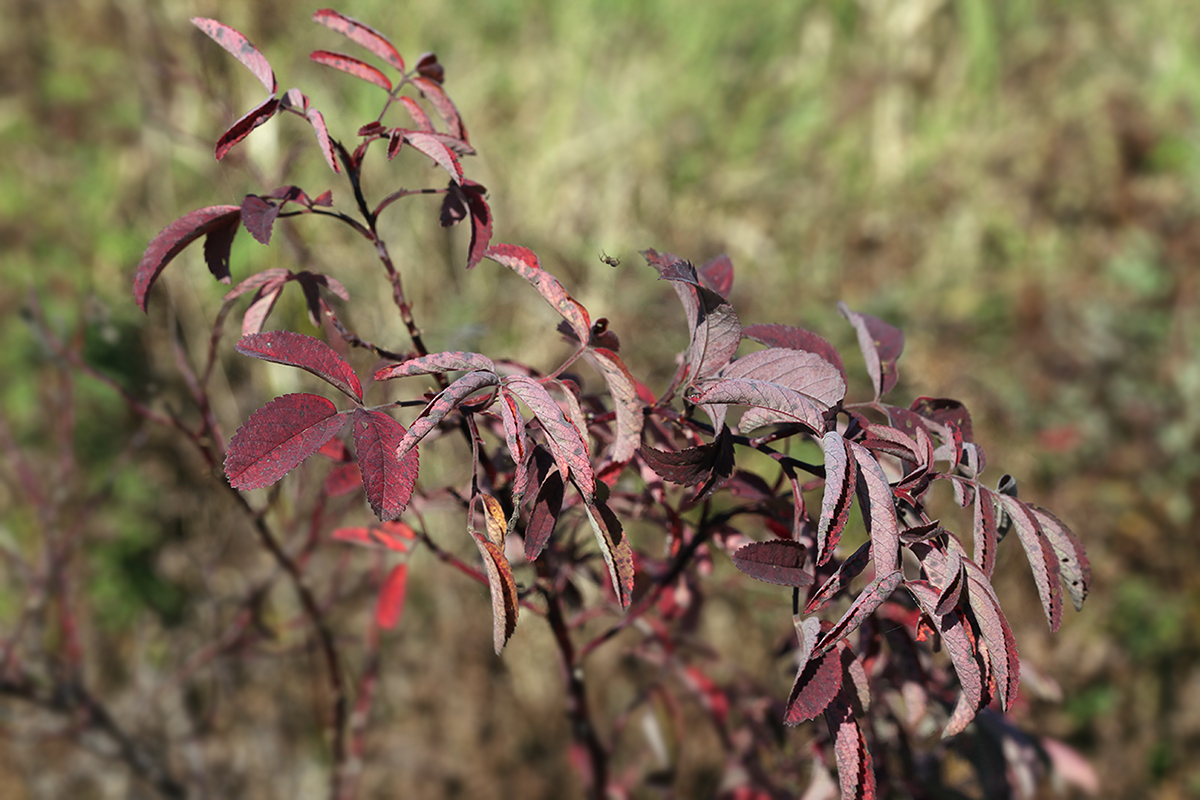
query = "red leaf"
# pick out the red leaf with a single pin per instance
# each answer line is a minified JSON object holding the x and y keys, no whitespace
{"x":1043,"y":560}
{"x":444,"y":106}
{"x":504,"y":591}
{"x":780,"y":561}
{"x":446,"y":401}
{"x":259,"y":216}
{"x":277,"y":437}
{"x":855,"y":773}
{"x":881,"y":345}
{"x":239,"y":48}
{"x":775,"y":335}
{"x":417,"y":113}
{"x":786,"y":405}
{"x":878,"y":509}
{"x":317,"y":120}
{"x":305,"y":352}
{"x":627,"y":404}
{"x":566,"y":442}
{"x":869,"y":599}
{"x":436,"y":363}
{"x":390,"y":605}
{"x":389,"y":480}
{"x":172,"y":239}
{"x":390,"y":535}
{"x":614,"y":547}
{"x":841,"y":478}
{"x":354,"y":66}
{"x":249,"y":121}
{"x":523,"y":261}
{"x":360,"y":34}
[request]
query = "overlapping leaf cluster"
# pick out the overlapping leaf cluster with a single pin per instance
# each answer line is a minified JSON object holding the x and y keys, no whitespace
{"x":548,"y":457}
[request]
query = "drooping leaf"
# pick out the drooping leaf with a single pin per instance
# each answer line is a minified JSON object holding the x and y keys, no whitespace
{"x":778,"y":561}
{"x":775,"y":335}
{"x":881,"y":346}
{"x":248,"y":122}
{"x":435,"y":363}
{"x":444,"y":106}
{"x":172,"y":239}
{"x":241,"y":49}
{"x":353,"y":66}
{"x":712,"y":462}
{"x":1072,"y":560}
{"x":869,"y":599}
{"x":627,"y":403}
{"x":362,"y":35}
{"x":567,"y":445}
{"x":505,"y":602}
{"x":523,"y":261}
{"x":430,"y":145}
{"x":839,"y":581}
{"x":258,"y":216}
{"x":305,"y":352}
{"x":446,"y":401}
{"x":785,"y":405}
{"x":278,"y":437}
{"x":390,"y":605}
{"x":1043,"y":560}
{"x":841,"y":480}
{"x":614,"y":547}
{"x":856,"y":776}
{"x":878,"y":509}
{"x":387,"y":479}
{"x":391,"y":535}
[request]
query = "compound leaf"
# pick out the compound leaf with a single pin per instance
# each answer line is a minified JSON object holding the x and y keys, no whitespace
{"x":278,"y":437}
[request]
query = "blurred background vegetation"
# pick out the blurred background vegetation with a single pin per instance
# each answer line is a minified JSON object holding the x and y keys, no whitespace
{"x":1014,"y":184}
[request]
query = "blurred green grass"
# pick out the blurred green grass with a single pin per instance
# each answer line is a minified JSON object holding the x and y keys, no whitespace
{"x":1013,"y":184}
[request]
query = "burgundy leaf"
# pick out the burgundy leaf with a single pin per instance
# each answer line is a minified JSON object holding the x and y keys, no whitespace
{"x":546,"y":509}
{"x":1072,"y":560}
{"x":277,"y":437}
{"x":418,"y":114}
{"x":856,"y":776}
{"x":787,"y":405}
{"x":317,"y":120}
{"x":779,"y":561}
{"x":171,"y":241}
{"x":444,"y":106}
{"x":841,"y":478}
{"x":878,"y":509}
{"x":717,"y":274}
{"x":881,"y":345}
{"x":305,"y":352}
{"x":390,"y":605}
{"x":627,"y":403}
{"x":775,"y":335}
{"x":817,"y":682}
{"x":389,"y":480}
{"x":354,"y":66}
{"x":614,"y":547}
{"x":390,"y":535}
{"x":839,"y":581}
{"x":241,"y":49}
{"x":566,"y":442}
{"x":522,"y":261}
{"x":869,"y":599}
{"x":436,"y":363}
{"x":446,"y":401}
{"x":242,"y":128}
{"x":505,"y":603}
{"x":430,"y":145}
{"x":1043,"y":560}
{"x":259,"y":217}
{"x":362,"y":35}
